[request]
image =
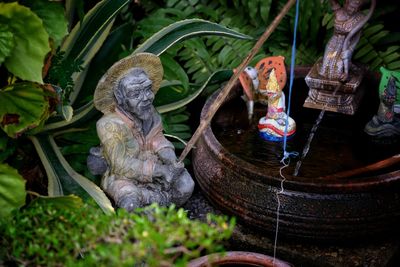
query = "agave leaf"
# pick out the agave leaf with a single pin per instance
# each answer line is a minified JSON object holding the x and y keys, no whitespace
{"x":63,"y":179}
{"x":84,"y":35}
{"x":87,"y":37}
{"x":182,"y":30}
{"x":74,"y":8}
{"x":12,"y":190}
{"x":216,"y":77}
{"x":106,"y":56}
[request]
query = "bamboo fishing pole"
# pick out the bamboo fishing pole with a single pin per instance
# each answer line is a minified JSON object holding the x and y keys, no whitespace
{"x":225,"y":91}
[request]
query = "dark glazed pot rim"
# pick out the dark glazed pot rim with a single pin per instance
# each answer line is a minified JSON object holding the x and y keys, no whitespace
{"x":241,"y":258}
{"x":307,"y":184}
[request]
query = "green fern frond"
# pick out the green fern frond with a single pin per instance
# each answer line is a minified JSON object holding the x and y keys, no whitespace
{"x":61,"y":72}
{"x":368,"y":50}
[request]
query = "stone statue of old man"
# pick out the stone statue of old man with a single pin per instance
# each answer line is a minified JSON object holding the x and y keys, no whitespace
{"x":140,"y":166}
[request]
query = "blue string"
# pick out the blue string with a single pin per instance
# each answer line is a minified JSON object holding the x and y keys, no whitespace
{"x":287,"y":154}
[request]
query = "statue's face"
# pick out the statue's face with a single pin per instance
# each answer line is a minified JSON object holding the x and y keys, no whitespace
{"x":138,"y":95}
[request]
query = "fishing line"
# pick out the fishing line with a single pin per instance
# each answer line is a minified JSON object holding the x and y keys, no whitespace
{"x":286,"y":155}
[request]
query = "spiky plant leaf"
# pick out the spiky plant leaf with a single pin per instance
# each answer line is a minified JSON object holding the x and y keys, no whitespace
{"x":87,"y":37}
{"x":182,"y":30}
{"x":63,"y":179}
{"x":117,"y":41}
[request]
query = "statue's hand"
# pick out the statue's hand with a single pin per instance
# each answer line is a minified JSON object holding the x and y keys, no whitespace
{"x":178,"y":165}
{"x":175,"y":171}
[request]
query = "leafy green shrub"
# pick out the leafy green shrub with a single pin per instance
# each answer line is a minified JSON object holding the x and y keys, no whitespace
{"x":45,"y":234}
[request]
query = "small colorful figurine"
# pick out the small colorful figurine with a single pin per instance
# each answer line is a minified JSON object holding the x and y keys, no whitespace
{"x":264,"y":84}
{"x":385,"y":123}
{"x":273,"y":126}
{"x":254,"y":80}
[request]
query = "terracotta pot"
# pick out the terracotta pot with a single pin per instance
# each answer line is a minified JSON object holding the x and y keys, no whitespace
{"x":310,"y":207}
{"x":238,"y":258}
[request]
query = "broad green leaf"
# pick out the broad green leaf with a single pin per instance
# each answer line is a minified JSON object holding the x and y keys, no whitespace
{"x":31,"y":42}
{"x":63,"y":179}
{"x":53,"y":16}
{"x":182,"y":30}
{"x":24,"y":106}
{"x":215,"y":78}
{"x":6,"y":42}
{"x":87,"y":37}
{"x":12,"y":190}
